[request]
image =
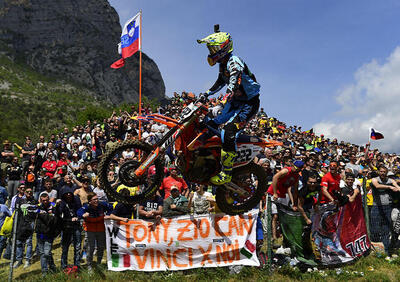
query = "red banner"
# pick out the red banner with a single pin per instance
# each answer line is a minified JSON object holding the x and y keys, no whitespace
{"x":340,"y":233}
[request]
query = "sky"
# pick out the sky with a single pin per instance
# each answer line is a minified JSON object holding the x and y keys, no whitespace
{"x":331,"y":65}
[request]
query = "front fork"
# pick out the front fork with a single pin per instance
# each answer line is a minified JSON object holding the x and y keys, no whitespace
{"x":147,"y":163}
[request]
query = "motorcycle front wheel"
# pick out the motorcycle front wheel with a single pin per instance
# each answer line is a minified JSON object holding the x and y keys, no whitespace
{"x":115,"y":183}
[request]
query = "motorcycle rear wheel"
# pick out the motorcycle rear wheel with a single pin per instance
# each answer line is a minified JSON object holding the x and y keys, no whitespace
{"x":153,"y":182}
{"x":224,"y":200}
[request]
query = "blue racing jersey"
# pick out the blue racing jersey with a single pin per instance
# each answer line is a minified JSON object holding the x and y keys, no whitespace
{"x":241,"y":83}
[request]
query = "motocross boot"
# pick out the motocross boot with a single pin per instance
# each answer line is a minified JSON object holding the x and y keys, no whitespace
{"x":225,"y":176}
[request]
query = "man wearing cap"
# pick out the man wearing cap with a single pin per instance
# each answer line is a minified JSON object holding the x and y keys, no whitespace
{"x":113,"y":140}
{"x":286,"y":178}
{"x":330,"y":182}
{"x":14,"y":172}
{"x":176,"y":204}
{"x":67,"y":207}
{"x":276,"y":159}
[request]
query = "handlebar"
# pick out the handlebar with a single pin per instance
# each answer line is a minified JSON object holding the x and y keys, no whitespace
{"x":203,"y":97}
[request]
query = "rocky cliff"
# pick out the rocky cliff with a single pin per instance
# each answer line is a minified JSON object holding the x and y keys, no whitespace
{"x":77,"y":40}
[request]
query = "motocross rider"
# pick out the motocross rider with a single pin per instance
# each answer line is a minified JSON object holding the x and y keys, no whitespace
{"x":242,"y":98}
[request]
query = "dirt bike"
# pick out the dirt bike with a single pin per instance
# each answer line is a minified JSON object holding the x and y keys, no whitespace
{"x":197,"y":151}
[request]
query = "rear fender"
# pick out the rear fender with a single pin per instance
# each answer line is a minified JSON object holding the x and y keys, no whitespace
{"x":169,"y":122}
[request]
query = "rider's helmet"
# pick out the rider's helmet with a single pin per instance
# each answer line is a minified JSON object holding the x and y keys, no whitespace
{"x":219,"y":44}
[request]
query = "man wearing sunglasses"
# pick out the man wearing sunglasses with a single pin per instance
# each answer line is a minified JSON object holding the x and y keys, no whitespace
{"x":330,"y":182}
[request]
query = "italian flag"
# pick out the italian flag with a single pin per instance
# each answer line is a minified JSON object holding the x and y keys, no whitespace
{"x":248,"y":249}
{"x":121,"y":260}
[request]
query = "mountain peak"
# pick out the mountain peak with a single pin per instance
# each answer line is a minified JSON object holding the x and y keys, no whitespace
{"x":77,"y":40}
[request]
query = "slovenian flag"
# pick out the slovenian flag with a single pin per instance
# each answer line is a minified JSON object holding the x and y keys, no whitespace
{"x":376,"y":135}
{"x":130,"y":40}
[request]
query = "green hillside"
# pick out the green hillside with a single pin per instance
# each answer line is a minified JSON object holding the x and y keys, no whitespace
{"x":33,"y":104}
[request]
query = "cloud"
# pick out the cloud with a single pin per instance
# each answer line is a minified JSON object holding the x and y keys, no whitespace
{"x":372,"y":100}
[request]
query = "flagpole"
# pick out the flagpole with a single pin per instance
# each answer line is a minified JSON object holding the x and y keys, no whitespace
{"x":369,"y":136}
{"x":369,"y":143}
{"x":140,"y":74}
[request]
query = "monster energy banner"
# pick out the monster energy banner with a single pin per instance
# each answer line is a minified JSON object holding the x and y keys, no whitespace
{"x":340,"y":234}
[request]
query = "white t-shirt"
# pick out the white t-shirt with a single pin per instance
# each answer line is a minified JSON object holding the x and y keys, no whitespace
{"x":200,"y":202}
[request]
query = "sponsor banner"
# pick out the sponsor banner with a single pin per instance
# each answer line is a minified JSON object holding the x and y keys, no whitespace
{"x":340,"y":234}
{"x":182,"y":242}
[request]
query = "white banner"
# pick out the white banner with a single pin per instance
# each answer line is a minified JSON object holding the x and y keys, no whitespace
{"x":182,"y":242}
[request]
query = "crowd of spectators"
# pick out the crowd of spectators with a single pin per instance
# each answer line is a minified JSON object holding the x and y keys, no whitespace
{"x":59,"y":175}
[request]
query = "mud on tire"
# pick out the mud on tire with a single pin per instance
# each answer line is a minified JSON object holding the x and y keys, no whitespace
{"x":253,"y":200}
{"x":108,"y":157}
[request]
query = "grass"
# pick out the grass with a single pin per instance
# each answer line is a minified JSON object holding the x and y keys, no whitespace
{"x":371,"y":268}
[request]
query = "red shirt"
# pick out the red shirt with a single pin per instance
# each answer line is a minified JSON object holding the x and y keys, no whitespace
{"x":169,"y":181}
{"x":331,"y":182}
{"x":285,"y":183}
{"x":51,"y":167}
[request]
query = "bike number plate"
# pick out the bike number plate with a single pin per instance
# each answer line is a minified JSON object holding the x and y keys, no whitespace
{"x":243,"y":155}
{"x":188,"y":110}
{"x":246,"y":153}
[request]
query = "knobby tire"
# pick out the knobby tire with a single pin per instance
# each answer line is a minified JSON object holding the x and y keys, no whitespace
{"x":107,"y":159}
{"x":253,"y":201}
